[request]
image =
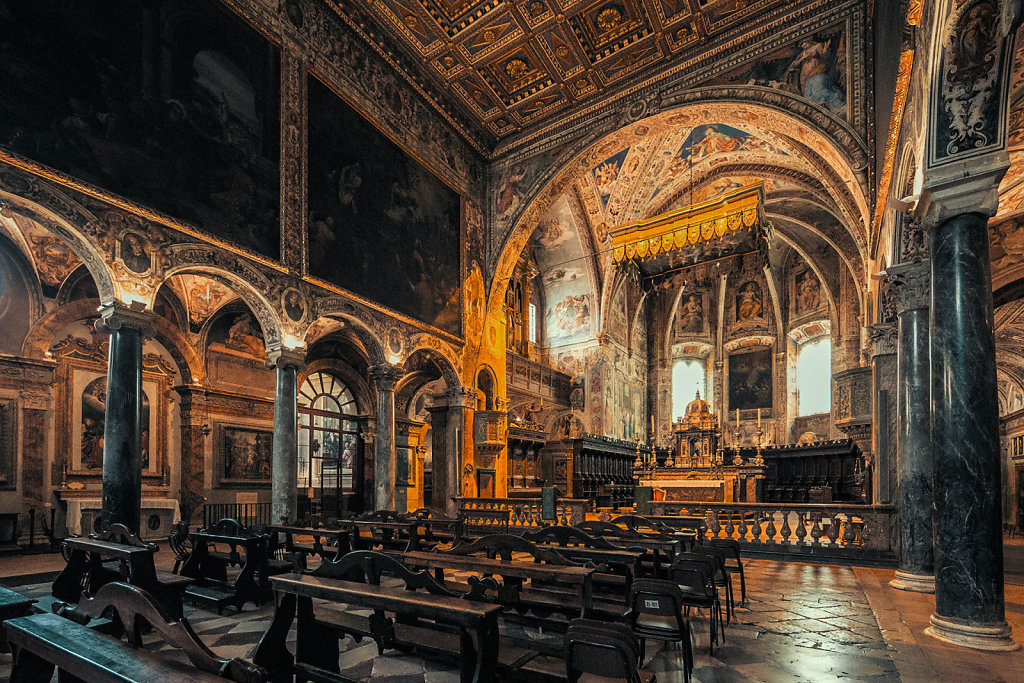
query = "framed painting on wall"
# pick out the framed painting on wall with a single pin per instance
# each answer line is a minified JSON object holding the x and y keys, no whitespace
{"x":244,"y":455}
{"x":81,"y":395}
{"x":750,"y":380}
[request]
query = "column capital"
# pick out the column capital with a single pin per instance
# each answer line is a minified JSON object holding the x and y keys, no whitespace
{"x":281,"y":357}
{"x":912,"y":284}
{"x":385,"y":375}
{"x":461,"y":397}
{"x":115,"y":316}
{"x":883,"y":339}
{"x":966,"y":187}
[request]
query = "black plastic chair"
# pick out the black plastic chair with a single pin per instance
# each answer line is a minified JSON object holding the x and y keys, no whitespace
{"x":696,"y":581}
{"x":722,"y":578}
{"x":656,"y":611}
{"x":180,"y":544}
{"x":609,"y":651}
{"x":737,"y":566}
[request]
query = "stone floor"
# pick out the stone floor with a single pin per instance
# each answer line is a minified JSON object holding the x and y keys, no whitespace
{"x":802,"y":622}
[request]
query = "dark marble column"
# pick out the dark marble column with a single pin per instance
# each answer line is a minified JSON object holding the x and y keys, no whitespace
{"x":965,"y":439}
{"x":385,"y":376}
{"x":122,"y":420}
{"x":441,"y":453}
{"x":284,"y":471}
{"x":911,"y":284}
{"x":883,"y":418}
{"x":194,"y":430}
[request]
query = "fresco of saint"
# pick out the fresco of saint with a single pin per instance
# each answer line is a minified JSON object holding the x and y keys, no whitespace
{"x":749,"y":303}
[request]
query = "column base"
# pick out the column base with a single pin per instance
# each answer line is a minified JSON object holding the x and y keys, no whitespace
{"x":913,"y":582}
{"x":996,"y":638}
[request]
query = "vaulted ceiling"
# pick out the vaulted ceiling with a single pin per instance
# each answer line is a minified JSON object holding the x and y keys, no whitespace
{"x":509,"y":65}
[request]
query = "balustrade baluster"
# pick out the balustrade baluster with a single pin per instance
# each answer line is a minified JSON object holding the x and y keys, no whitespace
{"x":786,"y":530}
{"x":848,"y":531}
{"x":833,"y":530}
{"x":730,"y":527}
{"x":715,"y":526}
{"x":816,"y":532}
{"x":801,"y":527}
{"x":770,"y":528}
{"x":742,"y":528}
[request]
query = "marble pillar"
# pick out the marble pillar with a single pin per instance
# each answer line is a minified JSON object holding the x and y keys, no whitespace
{"x":910,"y":282}
{"x":441,"y":453}
{"x":883,"y":418}
{"x":284,"y":469}
{"x":385,"y":376}
{"x":195,"y":427}
{"x":965,"y":439}
{"x":122,"y":426}
{"x":460,"y":468}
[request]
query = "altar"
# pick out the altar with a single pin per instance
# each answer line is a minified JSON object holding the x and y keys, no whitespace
{"x":697,"y":467}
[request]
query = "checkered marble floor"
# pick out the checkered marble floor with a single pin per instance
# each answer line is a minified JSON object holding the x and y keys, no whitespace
{"x":801,"y":623}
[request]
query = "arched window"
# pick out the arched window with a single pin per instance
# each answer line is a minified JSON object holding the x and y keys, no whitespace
{"x":814,"y":376}
{"x":328,"y":439}
{"x":689,"y":375}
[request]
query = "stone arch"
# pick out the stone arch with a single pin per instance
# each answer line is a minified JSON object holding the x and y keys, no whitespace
{"x":360,"y":386}
{"x":835,"y":149}
{"x":442,"y":354}
{"x":338,"y":308}
{"x":248,"y":283}
{"x":69,"y":221}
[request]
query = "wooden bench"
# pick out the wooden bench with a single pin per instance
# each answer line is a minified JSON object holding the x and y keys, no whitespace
{"x":12,"y":605}
{"x":624,"y":565}
{"x":43,"y":642}
{"x":87,"y":570}
{"x":320,"y":539}
{"x":210,"y":570}
{"x":317,"y":651}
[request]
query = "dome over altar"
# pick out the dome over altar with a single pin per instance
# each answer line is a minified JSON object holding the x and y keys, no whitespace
{"x":697,"y":410}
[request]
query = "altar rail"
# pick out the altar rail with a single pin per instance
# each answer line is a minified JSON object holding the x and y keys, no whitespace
{"x":246,"y":514}
{"x":837,"y":531}
{"x":483,"y":515}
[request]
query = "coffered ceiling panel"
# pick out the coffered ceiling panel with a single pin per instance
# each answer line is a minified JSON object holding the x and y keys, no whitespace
{"x":508,"y":65}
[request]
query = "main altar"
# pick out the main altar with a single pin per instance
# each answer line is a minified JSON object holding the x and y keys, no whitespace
{"x":698,"y":466}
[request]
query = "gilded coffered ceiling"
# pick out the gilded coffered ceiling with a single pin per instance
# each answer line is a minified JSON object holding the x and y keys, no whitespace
{"x":509,"y":65}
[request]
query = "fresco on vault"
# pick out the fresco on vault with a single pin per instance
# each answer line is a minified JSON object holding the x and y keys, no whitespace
{"x":814,"y":67}
{"x":568,"y":294}
{"x":182,"y":117}
{"x":380,"y":224}
{"x":607,"y":173}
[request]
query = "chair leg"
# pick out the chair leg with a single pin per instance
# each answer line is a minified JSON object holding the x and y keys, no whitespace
{"x":743,"y":589}
{"x":687,"y":650}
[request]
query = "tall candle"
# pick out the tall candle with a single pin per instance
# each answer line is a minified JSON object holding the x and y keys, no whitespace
{"x":758,"y":418}
{"x":652,"y":425}
{"x":737,"y":418}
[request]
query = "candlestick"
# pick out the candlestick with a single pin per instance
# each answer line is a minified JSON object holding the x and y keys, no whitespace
{"x":758,"y":418}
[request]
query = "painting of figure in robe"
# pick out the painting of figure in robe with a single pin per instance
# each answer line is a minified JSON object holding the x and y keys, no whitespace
{"x":94,"y":402}
{"x":808,"y":292}
{"x":750,"y":380}
{"x":691,"y":314}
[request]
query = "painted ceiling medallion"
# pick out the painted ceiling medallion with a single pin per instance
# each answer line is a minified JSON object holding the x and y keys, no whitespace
{"x":448,"y":62}
{"x":562,"y":51}
{"x":537,"y":8}
{"x":609,"y":18}
{"x":516,"y":68}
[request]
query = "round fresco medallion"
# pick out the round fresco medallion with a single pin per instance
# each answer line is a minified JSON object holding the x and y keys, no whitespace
{"x":294,"y":304}
{"x":395,"y":341}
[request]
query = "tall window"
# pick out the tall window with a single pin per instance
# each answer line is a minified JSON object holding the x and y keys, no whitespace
{"x":328,"y":437}
{"x":533,"y":323}
{"x":689,"y":375}
{"x":814,"y":376}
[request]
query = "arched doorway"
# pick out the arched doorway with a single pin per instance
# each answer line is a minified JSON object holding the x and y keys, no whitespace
{"x":329,"y":443}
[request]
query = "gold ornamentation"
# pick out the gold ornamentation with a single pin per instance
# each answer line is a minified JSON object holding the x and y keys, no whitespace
{"x":895,"y":121}
{"x":562,"y":51}
{"x":691,"y":225}
{"x":448,"y":62}
{"x":609,"y":18}
{"x":516,"y":68}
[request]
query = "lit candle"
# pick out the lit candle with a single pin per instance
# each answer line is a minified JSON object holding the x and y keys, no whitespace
{"x":652,"y":425}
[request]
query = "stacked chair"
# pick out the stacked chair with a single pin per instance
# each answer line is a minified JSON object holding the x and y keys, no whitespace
{"x":603,"y":651}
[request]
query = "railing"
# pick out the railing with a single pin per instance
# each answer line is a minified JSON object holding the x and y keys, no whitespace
{"x":845,"y":530}
{"x":246,"y":514}
{"x":524,"y":514}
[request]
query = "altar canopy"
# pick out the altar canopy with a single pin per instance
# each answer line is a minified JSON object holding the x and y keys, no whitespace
{"x":731,"y":225}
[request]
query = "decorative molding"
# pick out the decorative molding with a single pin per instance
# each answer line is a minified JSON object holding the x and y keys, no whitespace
{"x":883,"y":339}
{"x":911,"y":283}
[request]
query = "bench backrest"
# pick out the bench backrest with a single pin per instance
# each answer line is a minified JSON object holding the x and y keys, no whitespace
{"x":567,"y":535}
{"x":133,"y":606}
{"x":599,"y":528}
{"x":636,"y":523}
{"x":367,"y":566}
{"x":503,"y":545}
{"x":229,"y":527}
{"x":119,"y":533}
{"x":384,"y":516}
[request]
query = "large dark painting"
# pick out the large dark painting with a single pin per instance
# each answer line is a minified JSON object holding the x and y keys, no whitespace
{"x":172,"y":105}
{"x":245,"y":455}
{"x":750,"y":380}
{"x":380,"y":224}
